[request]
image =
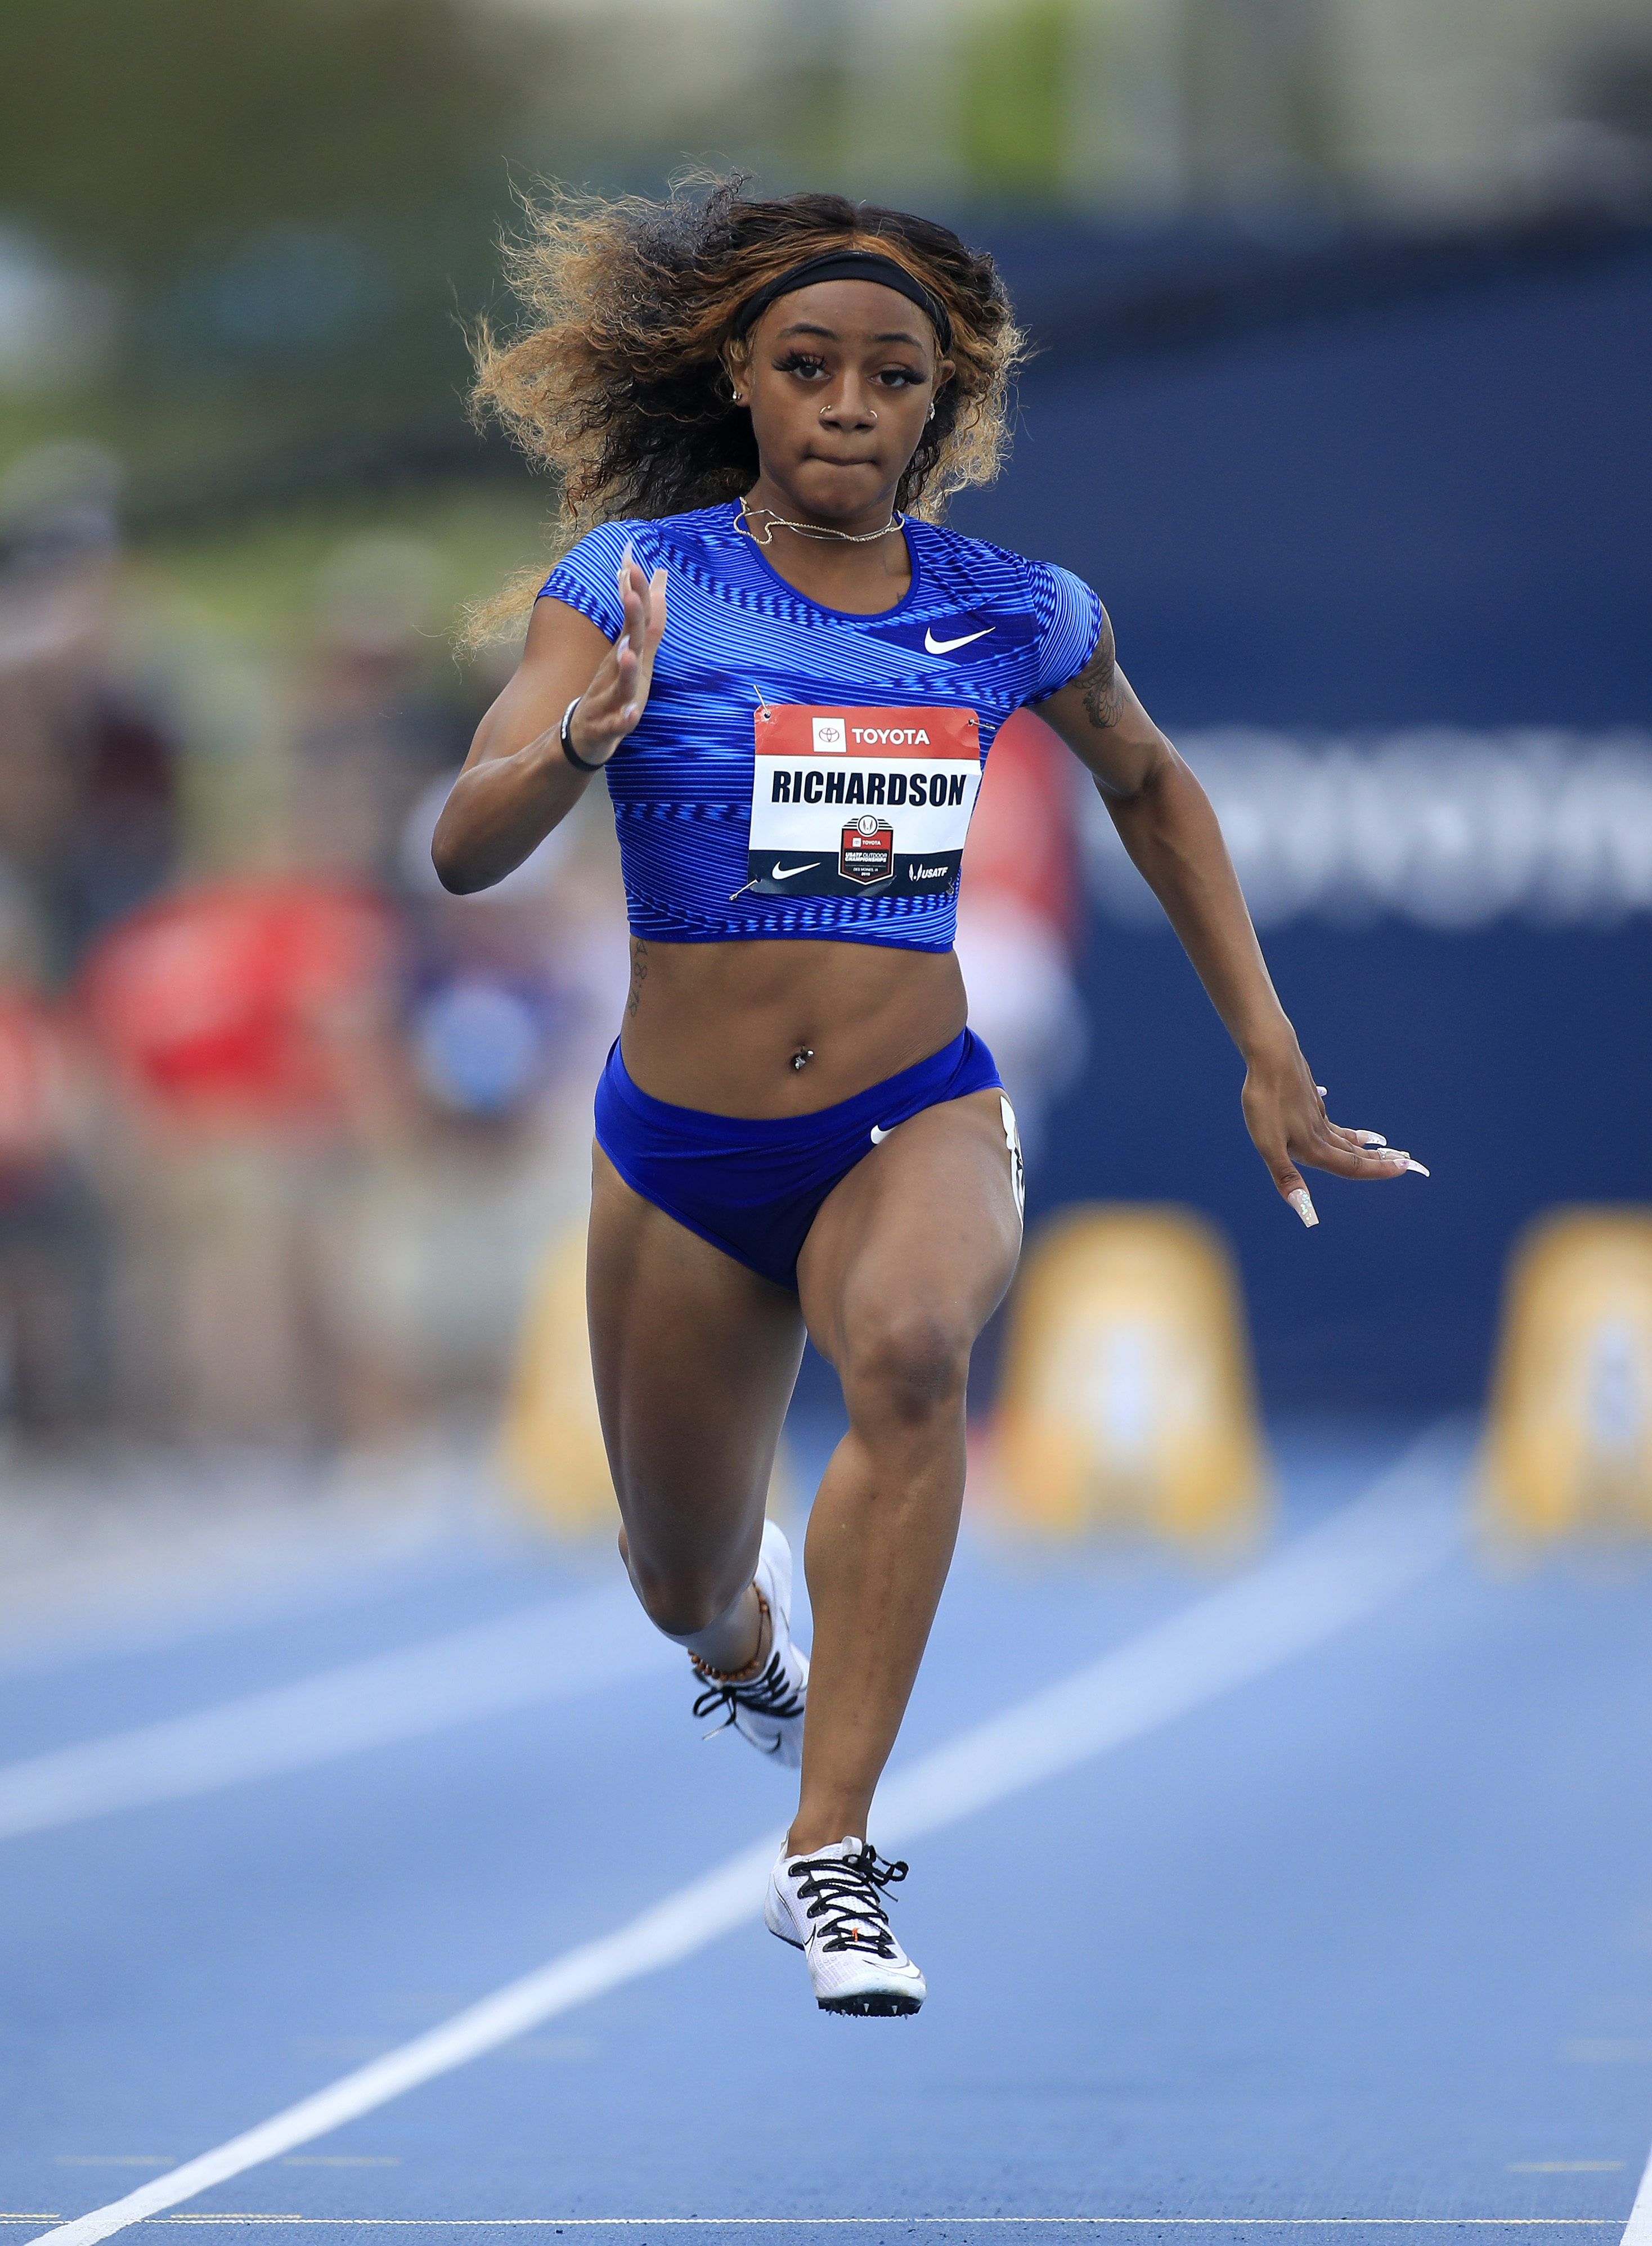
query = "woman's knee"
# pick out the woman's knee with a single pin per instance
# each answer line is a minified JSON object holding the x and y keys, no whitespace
{"x":682,"y":1596}
{"x":907,"y":1365}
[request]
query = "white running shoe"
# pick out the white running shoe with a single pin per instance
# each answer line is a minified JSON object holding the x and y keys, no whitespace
{"x":767,"y":1707}
{"x":829,"y":1906}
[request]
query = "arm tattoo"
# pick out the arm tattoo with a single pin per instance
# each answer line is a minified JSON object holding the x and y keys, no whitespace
{"x":639,"y":975}
{"x":1104,"y":705}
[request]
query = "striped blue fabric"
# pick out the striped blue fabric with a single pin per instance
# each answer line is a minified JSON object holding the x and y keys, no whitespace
{"x":979,"y":627}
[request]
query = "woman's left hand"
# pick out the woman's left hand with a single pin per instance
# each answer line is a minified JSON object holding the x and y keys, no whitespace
{"x":1285,"y":1114}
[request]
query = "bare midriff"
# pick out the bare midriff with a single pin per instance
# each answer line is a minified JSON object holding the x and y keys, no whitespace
{"x":719,"y":1026}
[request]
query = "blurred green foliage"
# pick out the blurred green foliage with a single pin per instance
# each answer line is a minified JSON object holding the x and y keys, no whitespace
{"x":254,"y":582}
{"x":131,"y":134}
{"x":1017,"y":71}
{"x":296,"y":204}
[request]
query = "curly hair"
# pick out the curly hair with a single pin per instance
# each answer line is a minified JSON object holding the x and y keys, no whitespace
{"x":617,"y":387}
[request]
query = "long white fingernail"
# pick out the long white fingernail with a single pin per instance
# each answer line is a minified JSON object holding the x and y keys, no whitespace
{"x":1370,"y":1138}
{"x":1303,"y":1206}
{"x":1394,"y":1156}
{"x":1417,"y":1166}
{"x":1321,"y":1090}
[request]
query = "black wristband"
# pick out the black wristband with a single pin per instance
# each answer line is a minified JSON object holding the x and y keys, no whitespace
{"x":568,"y":749}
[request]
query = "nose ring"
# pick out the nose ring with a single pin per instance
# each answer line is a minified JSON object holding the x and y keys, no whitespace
{"x":871,"y":414}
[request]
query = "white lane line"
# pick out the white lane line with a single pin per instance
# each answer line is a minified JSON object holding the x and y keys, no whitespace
{"x":1247,"y":2223}
{"x":1638,"y":2229}
{"x":1364,"y":1556}
{"x":558,"y":1647}
{"x":1404,"y":1527}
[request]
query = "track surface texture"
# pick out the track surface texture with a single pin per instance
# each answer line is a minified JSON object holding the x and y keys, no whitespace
{"x":1356,"y":1943}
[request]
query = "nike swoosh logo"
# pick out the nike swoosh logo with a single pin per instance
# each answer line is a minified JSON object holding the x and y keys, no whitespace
{"x":785,"y":873}
{"x":878,"y":1136}
{"x":945,"y":646}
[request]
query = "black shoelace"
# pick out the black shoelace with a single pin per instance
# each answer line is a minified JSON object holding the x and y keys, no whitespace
{"x":843,"y":1890}
{"x":771,"y":1694}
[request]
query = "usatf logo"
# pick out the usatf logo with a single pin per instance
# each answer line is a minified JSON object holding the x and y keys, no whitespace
{"x":830,"y":737}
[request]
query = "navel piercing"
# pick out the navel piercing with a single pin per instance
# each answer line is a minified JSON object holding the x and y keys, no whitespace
{"x":801,"y":1058}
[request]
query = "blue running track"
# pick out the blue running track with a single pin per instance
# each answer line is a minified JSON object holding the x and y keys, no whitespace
{"x":1357,"y":1944}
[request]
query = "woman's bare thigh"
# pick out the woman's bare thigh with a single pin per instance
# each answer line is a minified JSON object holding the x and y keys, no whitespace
{"x":921,"y":1238}
{"x":695,"y":1357}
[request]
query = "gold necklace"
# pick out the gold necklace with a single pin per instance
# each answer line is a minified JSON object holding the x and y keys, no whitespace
{"x":897,"y":521}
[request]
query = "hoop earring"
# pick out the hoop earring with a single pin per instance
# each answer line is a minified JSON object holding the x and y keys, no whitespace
{"x":932,"y":410}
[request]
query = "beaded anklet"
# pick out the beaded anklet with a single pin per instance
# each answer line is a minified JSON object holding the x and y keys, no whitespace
{"x":753,"y":1667}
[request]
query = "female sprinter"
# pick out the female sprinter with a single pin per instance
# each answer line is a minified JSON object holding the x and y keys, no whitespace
{"x":792,"y":676}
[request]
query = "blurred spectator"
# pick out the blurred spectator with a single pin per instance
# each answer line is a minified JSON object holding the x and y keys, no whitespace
{"x":252,"y":1002}
{"x":342,"y":1122}
{"x":554,"y":929}
{"x":512,"y":998}
{"x":1021,"y":916}
{"x":245,"y":1033}
{"x":278,"y":1052}
{"x":53,"y":1243}
{"x":372,"y":731}
{"x":86,"y":829}
{"x":87,"y":791}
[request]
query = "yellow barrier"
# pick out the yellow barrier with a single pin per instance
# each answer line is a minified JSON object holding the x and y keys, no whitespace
{"x":1127,"y":1398}
{"x":551,"y":1449}
{"x":1569,"y":1444}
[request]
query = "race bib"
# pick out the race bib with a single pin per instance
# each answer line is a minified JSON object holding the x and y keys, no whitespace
{"x":850,"y":802}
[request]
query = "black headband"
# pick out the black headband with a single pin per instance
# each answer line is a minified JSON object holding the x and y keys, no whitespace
{"x":849,"y":265}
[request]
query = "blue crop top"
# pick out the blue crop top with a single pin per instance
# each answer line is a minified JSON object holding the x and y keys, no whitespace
{"x":801,"y":772}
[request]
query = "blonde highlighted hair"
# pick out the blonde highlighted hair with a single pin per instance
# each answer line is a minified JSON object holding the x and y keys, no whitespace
{"x":616,"y":385}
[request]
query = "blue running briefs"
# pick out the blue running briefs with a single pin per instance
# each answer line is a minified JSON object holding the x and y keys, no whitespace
{"x":752,"y":1188}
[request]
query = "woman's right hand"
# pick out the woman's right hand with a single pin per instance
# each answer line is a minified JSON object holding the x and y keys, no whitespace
{"x":516,"y":784}
{"x":613,"y":703}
